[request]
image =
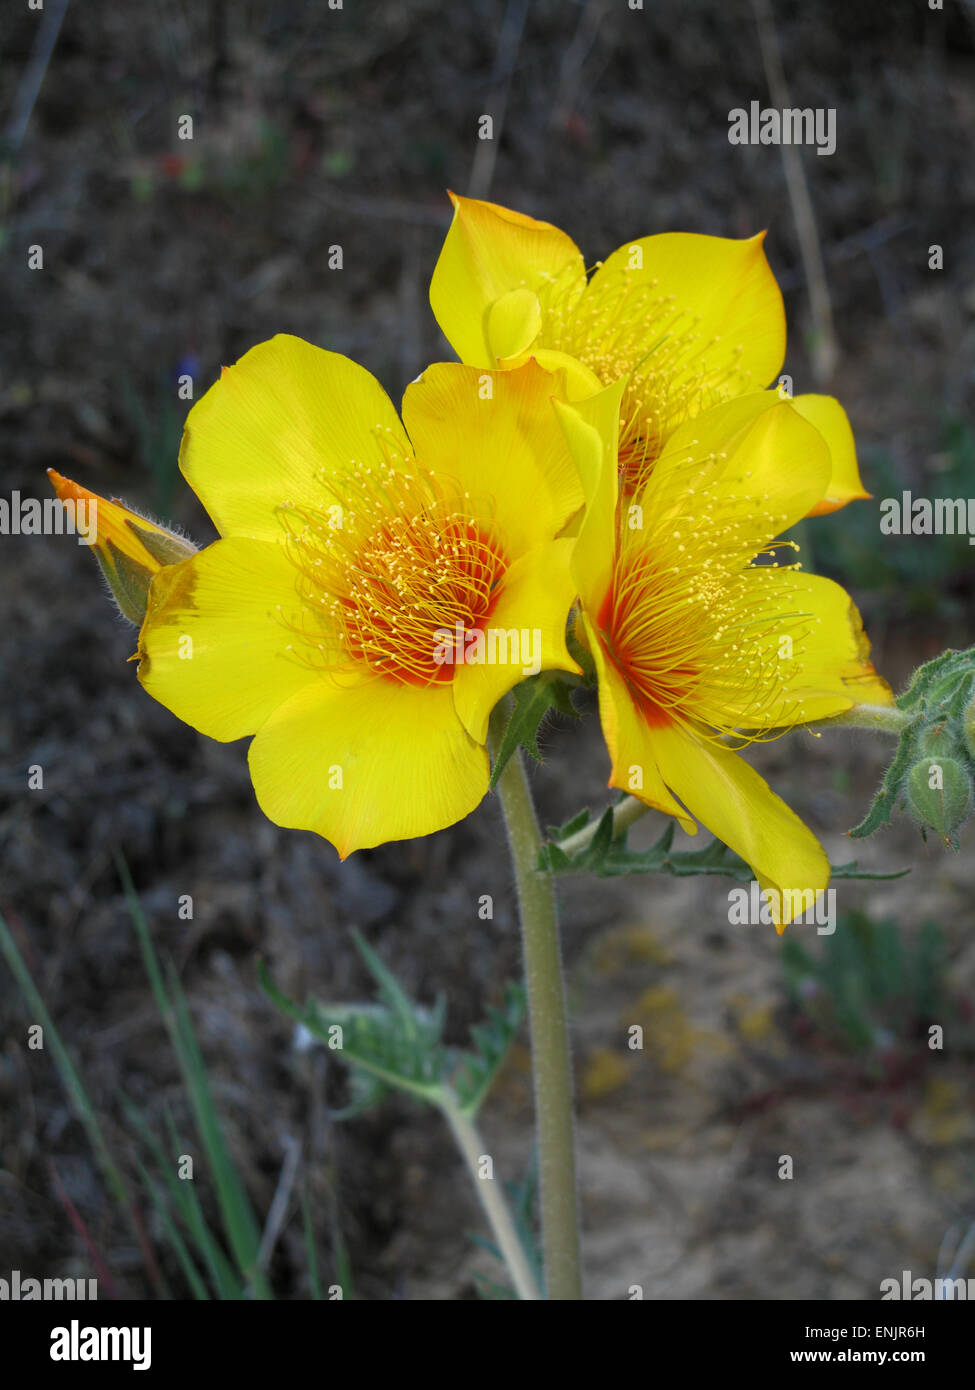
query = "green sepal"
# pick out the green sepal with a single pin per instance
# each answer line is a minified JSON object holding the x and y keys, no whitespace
{"x":129,"y":580}
{"x":533,"y":700}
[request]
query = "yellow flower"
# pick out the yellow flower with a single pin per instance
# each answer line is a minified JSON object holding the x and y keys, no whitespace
{"x":701,"y":643}
{"x":690,"y":321}
{"x":130,"y":548}
{"x":376,"y":589}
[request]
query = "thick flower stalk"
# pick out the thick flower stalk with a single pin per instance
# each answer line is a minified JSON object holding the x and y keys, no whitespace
{"x":377,"y":588}
{"x":702,"y":641}
{"x":688,"y":321}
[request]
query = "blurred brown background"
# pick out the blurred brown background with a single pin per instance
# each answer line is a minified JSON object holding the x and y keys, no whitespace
{"x":314,"y":127}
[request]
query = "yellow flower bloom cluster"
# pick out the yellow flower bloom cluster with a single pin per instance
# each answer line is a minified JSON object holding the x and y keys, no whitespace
{"x":606,"y":450}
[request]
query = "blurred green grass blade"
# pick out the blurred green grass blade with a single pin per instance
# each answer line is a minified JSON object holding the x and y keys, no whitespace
{"x":190,"y":1271}
{"x":311,"y":1254}
{"x":343,"y":1267}
{"x":187,"y":1203}
{"x":238,"y":1215}
{"x":225,"y":1278}
{"x":70,"y":1079}
{"x":240,"y":1222}
{"x":145,"y":944}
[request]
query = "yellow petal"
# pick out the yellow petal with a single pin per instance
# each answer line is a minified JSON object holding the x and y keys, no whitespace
{"x":276,"y":428}
{"x":214,"y":646}
{"x":382,"y":762}
{"x":829,"y":417}
{"x":496,"y":434}
{"x":740,"y":808}
{"x":715,"y":314}
{"x":627,"y":735}
{"x":488,"y":252}
{"x":513,"y":322}
{"x":591,"y":429}
{"x":766,"y":465}
{"x":527,"y":629}
{"x":826,"y":667}
{"x":577,"y":381}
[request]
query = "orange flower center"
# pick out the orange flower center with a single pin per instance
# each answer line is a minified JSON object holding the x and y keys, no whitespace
{"x":699,"y":633}
{"x":394,"y":575}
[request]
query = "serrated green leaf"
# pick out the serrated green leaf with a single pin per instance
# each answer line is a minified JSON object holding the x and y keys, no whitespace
{"x":884,"y":803}
{"x":474,"y":1072}
{"x":559,"y":832}
{"x":366,"y":1091}
{"x":922,"y":680}
{"x":522,"y":1196}
{"x":609,"y":857}
{"x":391,"y":992}
{"x":533,"y":700}
{"x":406,"y":1055}
{"x":961,"y":696}
{"x":553,"y":860}
{"x":601,"y":842}
{"x":853,"y":870}
{"x":561,"y":695}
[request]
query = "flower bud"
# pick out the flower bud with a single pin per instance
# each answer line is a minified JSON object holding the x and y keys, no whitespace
{"x":940,"y":741}
{"x":939,"y":794}
{"x":129,"y":548}
{"x":968,"y":728}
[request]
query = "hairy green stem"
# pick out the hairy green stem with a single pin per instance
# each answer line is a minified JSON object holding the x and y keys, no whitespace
{"x":551,"y":1063}
{"x":491,"y":1198}
{"x":887,"y":719}
{"x":625,"y":813}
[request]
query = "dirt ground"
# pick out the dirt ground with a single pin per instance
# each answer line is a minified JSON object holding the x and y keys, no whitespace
{"x":315,"y":127}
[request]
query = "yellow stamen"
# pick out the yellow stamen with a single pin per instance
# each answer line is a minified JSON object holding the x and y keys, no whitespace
{"x":384,"y":573}
{"x":693,"y":620}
